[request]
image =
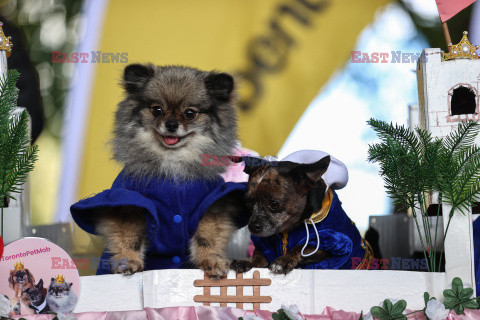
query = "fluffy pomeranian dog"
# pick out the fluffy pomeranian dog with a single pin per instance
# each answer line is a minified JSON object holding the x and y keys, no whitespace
{"x":166,"y":209}
{"x":170,"y":118}
{"x":60,"y":297}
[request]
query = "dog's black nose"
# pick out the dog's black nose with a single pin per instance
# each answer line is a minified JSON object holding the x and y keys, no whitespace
{"x":171,"y":125}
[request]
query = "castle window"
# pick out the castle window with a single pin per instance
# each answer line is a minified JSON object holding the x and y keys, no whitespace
{"x":463,"y":101}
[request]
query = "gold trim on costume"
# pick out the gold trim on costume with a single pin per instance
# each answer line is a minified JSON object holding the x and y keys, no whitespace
{"x":316,"y":217}
{"x":285,"y":242}
{"x":367,"y":257}
{"x":326,"y":204}
{"x":320,"y":216}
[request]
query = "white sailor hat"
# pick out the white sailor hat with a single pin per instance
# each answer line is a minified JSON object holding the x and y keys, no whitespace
{"x":336,"y":176}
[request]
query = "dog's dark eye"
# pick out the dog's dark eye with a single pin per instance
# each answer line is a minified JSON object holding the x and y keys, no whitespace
{"x":190,"y":114}
{"x":157,"y":111}
{"x":274,"y":205}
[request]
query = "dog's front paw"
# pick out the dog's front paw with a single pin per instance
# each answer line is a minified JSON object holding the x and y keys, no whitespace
{"x":282,"y":265}
{"x":241,"y":266}
{"x":127,"y":266}
{"x":215,"y":266}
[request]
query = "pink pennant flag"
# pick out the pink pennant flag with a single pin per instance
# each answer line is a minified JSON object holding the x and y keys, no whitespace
{"x":448,"y":8}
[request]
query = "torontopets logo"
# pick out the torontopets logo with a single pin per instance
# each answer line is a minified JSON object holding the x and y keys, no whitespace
{"x":92,"y":57}
{"x":387,"y":57}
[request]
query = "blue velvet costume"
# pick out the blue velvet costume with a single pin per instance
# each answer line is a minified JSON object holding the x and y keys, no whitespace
{"x":173,"y":211}
{"x":338,"y":236}
{"x":476,"y":253}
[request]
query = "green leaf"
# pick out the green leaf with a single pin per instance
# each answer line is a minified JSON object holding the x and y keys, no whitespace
{"x":378,"y":312}
{"x":426,"y":297}
{"x":281,"y":315}
{"x":450,"y":303}
{"x":448,"y":293}
{"x":387,"y":305}
{"x":457,"y":284}
{"x":459,"y":308}
{"x":471,"y":304}
{"x":466,"y":293}
{"x":399,"y":307}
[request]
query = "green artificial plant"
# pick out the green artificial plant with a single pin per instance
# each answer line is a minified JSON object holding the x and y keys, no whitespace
{"x":413,"y":164}
{"x":16,"y":155}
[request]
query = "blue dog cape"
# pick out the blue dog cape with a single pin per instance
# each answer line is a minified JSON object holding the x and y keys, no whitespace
{"x":476,"y":253}
{"x":338,"y":236}
{"x":173,"y":211}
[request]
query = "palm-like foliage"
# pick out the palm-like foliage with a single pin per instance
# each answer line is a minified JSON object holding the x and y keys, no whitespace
{"x":459,"y":168}
{"x":412,"y":164}
{"x":16,"y":155}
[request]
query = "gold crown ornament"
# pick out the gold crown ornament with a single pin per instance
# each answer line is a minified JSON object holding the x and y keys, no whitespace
{"x":5,"y":42}
{"x":19,"y":266}
{"x":60,"y":279}
{"x":462,"y":50}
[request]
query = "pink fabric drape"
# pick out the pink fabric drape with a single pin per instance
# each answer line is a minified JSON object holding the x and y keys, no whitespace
{"x":226,"y":313}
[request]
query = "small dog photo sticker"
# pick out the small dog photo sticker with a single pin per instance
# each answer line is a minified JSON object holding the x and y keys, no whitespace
{"x":38,"y":277}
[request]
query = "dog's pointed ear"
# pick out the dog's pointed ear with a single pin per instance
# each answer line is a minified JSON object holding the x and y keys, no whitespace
{"x":136,"y":76}
{"x":70,"y":285}
{"x":252,"y":164}
{"x":10,"y":279}
{"x":220,"y":85}
{"x":30,"y":276}
{"x":314,"y":171}
{"x":53,"y":280}
{"x":40,"y":284}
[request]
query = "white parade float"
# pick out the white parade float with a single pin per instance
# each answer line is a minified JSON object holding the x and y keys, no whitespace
{"x":444,"y":81}
{"x":440,"y":81}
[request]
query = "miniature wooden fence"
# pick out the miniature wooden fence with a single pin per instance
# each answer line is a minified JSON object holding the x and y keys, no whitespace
{"x":256,"y":282}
